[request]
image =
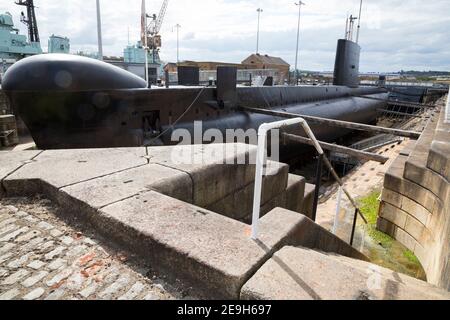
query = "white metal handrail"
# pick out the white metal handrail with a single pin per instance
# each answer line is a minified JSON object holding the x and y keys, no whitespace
{"x":261,"y":161}
{"x":447,"y":109}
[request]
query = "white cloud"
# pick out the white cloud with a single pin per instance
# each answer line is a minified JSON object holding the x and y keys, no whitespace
{"x":395,"y":34}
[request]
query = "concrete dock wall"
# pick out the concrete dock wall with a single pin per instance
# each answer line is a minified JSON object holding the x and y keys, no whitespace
{"x":415,"y":207}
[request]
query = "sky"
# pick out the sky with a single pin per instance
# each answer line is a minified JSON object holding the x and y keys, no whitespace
{"x":395,"y":34}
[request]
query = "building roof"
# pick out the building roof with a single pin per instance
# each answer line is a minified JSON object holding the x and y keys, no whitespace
{"x":266,"y":59}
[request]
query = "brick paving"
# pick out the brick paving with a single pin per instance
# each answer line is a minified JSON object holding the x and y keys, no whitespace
{"x":44,"y":257}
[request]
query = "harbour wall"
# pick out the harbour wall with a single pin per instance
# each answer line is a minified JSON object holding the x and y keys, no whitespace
{"x":415,"y":208}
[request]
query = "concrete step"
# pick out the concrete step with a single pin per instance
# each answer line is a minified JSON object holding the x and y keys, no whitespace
{"x":239,"y":203}
{"x":416,"y":166}
{"x":439,"y":156}
{"x":302,"y":274}
{"x":308,"y":200}
{"x":385,"y":273}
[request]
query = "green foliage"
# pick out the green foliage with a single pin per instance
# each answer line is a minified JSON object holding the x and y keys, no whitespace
{"x":370,"y":206}
{"x":408,"y":254}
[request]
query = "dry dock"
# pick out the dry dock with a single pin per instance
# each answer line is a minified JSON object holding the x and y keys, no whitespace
{"x":184,"y":221}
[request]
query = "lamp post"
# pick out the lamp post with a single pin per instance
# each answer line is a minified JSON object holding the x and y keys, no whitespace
{"x":299,"y":4}
{"x":259,"y":10}
{"x":99,"y":31}
{"x":177,"y":26}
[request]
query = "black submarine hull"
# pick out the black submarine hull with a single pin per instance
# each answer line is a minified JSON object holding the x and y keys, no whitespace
{"x":74,"y":103}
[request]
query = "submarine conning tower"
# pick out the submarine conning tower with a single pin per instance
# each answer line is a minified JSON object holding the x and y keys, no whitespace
{"x":346,"y":68}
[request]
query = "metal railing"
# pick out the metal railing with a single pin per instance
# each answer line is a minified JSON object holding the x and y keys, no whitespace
{"x":243,"y":75}
{"x":261,"y":161}
{"x":400,"y":83}
{"x":447,"y":109}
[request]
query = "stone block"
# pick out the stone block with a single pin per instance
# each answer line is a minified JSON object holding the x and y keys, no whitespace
{"x":393,"y":214}
{"x":415,"y":210}
{"x":109,"y":189}
{"x":386,"y":227}
{"x":439,"y":158}
{"x":300,"y":274}
{"x":295,"y":193}
{"x":394,"y":176}
{"x":423,"y":255}
{"x":213,"y":251}
{"x":239,"y":204}
{"x":11,"y":161}
{"x":61,"y":168}
{"x":419,"y":194}
{"x":215,"y":169}
{"x":391,"y":197}
{"x":406,"y":239}
{"x":408,"y":149}
{"x":308,"y":200}
{"x":418,"y":173}
{"x":414,"y":228}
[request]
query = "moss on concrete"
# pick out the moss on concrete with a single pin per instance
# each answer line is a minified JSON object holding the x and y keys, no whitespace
{"x":383,"y":249}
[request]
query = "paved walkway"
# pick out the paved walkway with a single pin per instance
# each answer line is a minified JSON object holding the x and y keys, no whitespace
{"x":42,"y":257}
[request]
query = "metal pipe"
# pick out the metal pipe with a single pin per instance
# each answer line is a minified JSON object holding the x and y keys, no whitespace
{"x":403,"y":114}
{"x":399,"y":103}
{"x":363,"y":155}
{"x":99,"y":31}
{"x":336,"y":123}
{"x":447,"y":110}
{"x":261,"y":161}
{"x":338,"y":211}
{"x":355,"y":220}
{"x":178,"y":26}
{"x":259,"y":10}
{"x":145,"y":31}
{"x":318,"y":185}
{"x":299,"y":4}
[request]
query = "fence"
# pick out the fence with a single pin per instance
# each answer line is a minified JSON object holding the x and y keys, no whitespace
{"x":243,"y":76}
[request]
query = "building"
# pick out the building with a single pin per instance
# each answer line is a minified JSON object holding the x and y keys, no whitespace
{"x":212,"y":65}
{"x":57,"y":44}
{"x":170,"y":67}
{"x":259,"y":61}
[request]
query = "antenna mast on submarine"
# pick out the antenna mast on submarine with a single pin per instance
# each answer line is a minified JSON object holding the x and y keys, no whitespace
{"x":359,"y":21}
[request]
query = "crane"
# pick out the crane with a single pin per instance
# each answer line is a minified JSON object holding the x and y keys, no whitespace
{"x":154,"y":27}
{"x":156,"y":23}
{"x":150,"y":38}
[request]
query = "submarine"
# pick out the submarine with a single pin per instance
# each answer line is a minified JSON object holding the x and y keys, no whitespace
{"x":73,"y":102}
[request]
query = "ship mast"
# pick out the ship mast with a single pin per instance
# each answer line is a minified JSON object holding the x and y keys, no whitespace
{"x":30,"y":19}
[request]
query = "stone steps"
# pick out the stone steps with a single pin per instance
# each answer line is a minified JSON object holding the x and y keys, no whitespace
{"x":385,"y":273}
{"x":295,"y":273}
{"x":146,"y":202}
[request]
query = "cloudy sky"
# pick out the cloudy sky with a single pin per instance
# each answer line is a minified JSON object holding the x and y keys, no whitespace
{"x":395,"y":34}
